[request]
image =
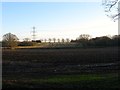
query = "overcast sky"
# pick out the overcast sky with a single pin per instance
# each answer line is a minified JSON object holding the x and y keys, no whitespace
{"x":56,"y":19}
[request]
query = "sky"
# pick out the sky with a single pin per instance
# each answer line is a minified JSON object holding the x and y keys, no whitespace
{"x":56,"y":19}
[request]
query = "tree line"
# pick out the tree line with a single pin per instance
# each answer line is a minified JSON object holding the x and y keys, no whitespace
{"x":10,"y":40}
{"x":104,"y":41}
{"x":84,"y":40}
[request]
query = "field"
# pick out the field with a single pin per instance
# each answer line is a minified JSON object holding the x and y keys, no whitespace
{"x":61,"y":68}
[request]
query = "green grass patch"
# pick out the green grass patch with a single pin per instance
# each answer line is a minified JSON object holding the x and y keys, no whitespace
{"x":74,"y":78}
{"x":71,"y":81}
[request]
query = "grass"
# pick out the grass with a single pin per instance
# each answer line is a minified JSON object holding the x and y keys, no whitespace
{"x":71,"y":81}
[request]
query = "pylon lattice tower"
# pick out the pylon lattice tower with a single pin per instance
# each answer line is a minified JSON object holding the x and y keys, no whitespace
{"x":34,"y":33}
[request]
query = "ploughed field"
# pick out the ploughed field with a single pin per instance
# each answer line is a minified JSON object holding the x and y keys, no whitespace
{"x":61,"y":68}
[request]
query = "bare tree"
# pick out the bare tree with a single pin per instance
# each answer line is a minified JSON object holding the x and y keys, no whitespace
{"x":54,"y":39}
{"x":67,"y":40}
{"x":45,"y":40}
{"x":50,"y":40}
{"x":112,"y":8}
{"x":58,"y":40}
{"x":84,"y":36}
{"x":10,"y":40}
{"x":63,"y":40}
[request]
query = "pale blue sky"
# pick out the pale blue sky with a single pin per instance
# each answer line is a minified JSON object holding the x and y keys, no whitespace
{"x":56,"y":19}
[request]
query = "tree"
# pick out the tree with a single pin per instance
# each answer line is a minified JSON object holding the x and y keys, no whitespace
{"x":116,"y":40}
{"x":58,"y":40}
{"x":67,"y":40}
{"x":84,"y":36}
{"x":49,"y":40}
{"x":102,"y":41}
{"x":112,"y":8}
{"x":63,"y":40}
{"x":45,"y":40}
{"x":10,"y":40}
{"x":54,"y":39}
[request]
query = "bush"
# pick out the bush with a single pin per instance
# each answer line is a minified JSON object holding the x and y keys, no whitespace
{"x":26,"y":43}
